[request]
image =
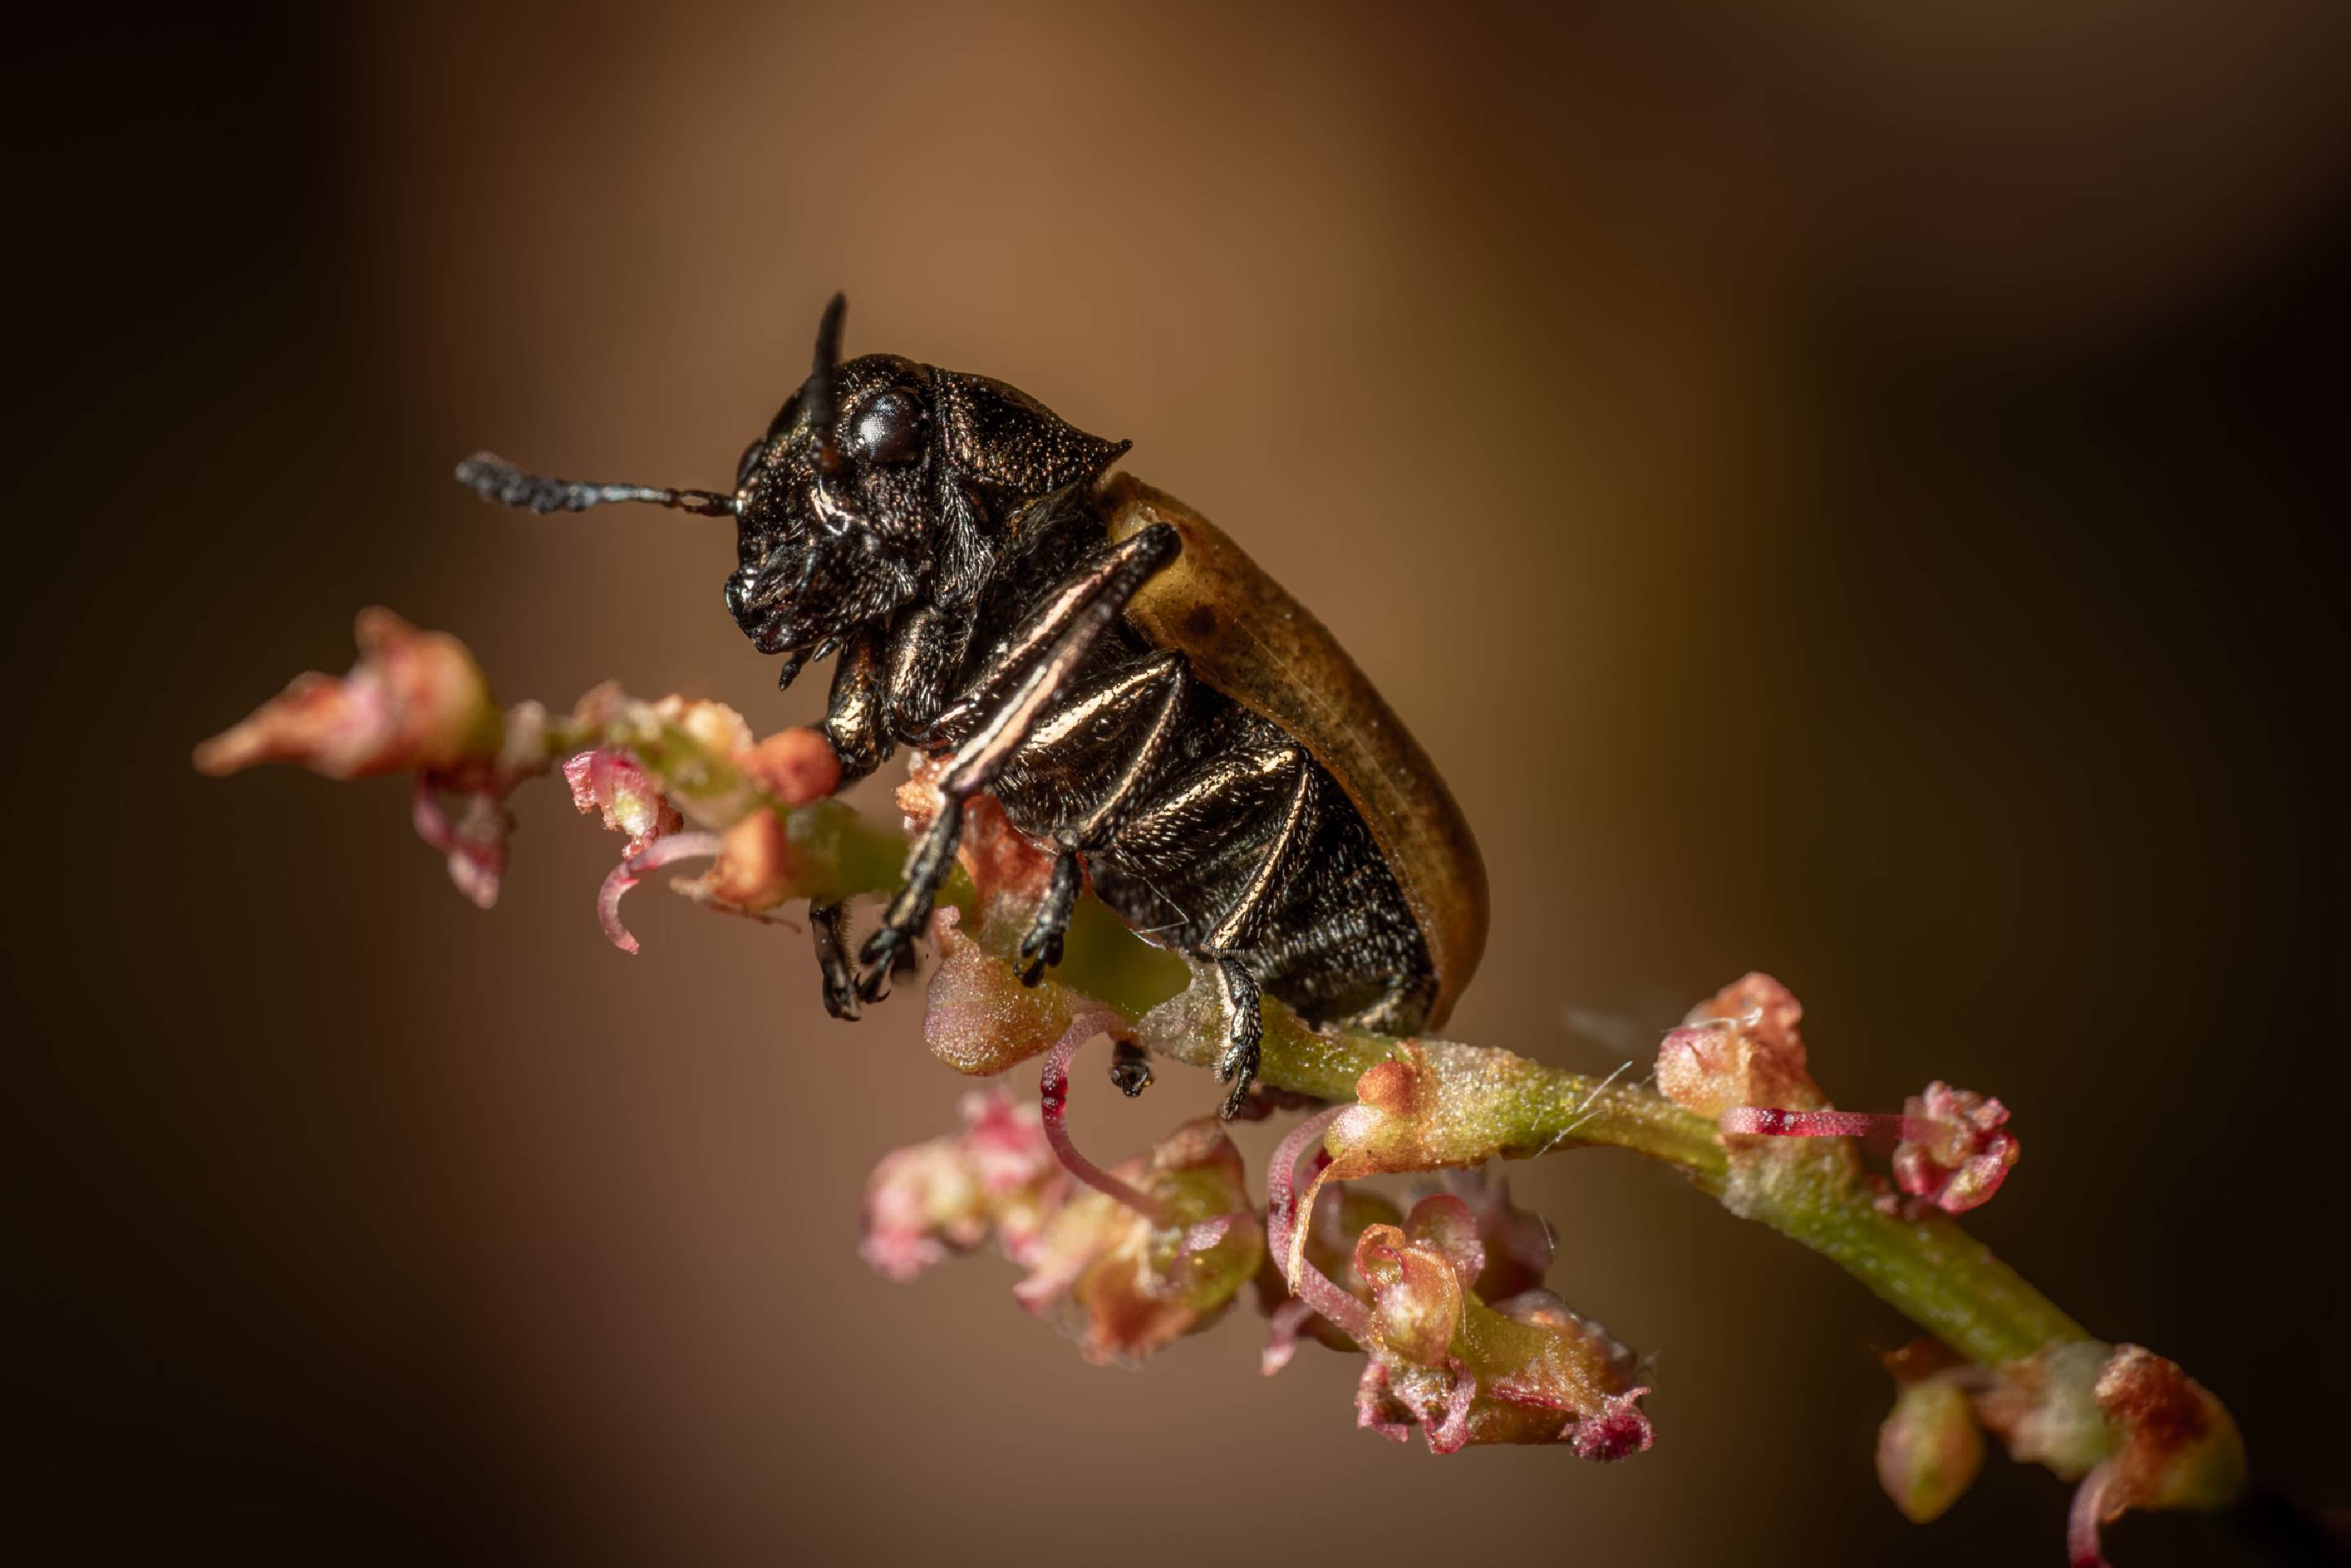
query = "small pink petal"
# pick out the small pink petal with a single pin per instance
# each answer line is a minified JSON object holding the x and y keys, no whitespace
{"x":1448,"y":1436}
{"x":1620,"y":1428}
{"x":1210,"y":1234}
{"x":1371,"y":1397}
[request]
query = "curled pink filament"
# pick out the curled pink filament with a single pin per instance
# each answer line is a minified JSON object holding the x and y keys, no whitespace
{"x":1311,"y":1284}
{"x":2081,"y":1521}
{"x":623,"y":877}
{"x":1053,"y":1097}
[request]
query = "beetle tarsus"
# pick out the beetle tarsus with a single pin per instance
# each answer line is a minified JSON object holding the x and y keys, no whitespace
{"x":1040,"y":950}
{"x":877,"y":961}
{"x":1243,"y":1034}
{"x":828,"y":925}
{"x":927,"y":868}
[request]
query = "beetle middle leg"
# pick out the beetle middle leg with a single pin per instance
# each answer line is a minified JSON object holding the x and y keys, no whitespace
{"x":1069,"y":728}
{"x":1042,"y":948}
{"x":1015,"y":693}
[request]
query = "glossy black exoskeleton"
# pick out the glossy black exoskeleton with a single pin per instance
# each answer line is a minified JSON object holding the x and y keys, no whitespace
{"x":956,"y":546}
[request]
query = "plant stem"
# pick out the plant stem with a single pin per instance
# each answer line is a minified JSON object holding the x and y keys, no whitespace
{"x":1923,"y":1265}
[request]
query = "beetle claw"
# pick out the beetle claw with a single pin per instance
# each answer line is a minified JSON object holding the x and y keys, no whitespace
{"x":1038,"y":952}
{"x":1239,"y":1065}
{"x":841,"y":1001}
{"x":884,"y":951}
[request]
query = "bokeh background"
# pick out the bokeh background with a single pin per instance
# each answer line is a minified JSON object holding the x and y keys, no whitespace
{"x":1848,"y":489}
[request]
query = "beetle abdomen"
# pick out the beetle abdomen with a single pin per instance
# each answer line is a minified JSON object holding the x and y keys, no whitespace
{"x":1248,"y":638}
{"x":1331,"y":935}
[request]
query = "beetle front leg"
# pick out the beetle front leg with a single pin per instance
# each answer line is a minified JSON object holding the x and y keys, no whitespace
{"x":926,"y":869}
{"x":926,"y":650}
{"x":1044,"y":658}
{"x":828,"y":925}
{"x":856,"y":720}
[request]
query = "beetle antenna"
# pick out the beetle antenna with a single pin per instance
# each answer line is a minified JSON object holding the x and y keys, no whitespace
{"x":819,"y":385}
{"x":493,"y":479}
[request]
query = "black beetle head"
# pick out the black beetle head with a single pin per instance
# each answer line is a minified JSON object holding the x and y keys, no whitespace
{"x":880,"y":481}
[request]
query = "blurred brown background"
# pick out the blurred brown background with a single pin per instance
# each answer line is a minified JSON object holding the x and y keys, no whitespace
{"x":1852,"y":490}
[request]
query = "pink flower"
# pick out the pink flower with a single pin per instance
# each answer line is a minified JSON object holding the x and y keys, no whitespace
{"x":1517,"y":1242}
{"x":1739,"y":1047}
{"x":2138,"y":1432}
{"x":1956,"y":1149}
{"x":1125,"y":1281}
{"x":474,"y":836}
{"x":415,"y":700}
{"x":1522,"y":1370}
{"x":932,"y":1200}
{"x":617,"y":785}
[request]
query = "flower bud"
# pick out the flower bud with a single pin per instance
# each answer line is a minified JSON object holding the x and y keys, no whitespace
{"x":795,"y":766}
{"x":981,"y":1019}
{"x":754,"y":869}
{"x":1929,"y":1449}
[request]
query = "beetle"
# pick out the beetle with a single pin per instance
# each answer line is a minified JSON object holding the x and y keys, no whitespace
{"x":1146,"y":703}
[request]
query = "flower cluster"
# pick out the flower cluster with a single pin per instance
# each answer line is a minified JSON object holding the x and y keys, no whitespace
{"x":417,"y":702}
{"x":2134,"y":1430}
{"x":1443,"y":1293}
{"x":996,"y":1179}
{"x":1738,"y":1058}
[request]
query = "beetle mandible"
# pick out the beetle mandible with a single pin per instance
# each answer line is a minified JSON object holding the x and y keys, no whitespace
{"x":1146,"y":704}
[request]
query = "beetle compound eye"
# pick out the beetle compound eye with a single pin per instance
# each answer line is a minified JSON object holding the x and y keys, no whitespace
{"x":751,"y":456}
{"x":888,"y":430}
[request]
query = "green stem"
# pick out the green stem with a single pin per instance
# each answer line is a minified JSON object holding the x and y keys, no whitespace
{"x":1925,"y":1267}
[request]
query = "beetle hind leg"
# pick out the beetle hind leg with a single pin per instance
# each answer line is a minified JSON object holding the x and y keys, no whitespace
{"x":1237,"y":1065}
{"x":1237,"y":928}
